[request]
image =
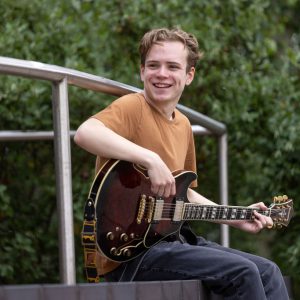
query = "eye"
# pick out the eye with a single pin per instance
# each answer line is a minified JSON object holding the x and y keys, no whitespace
{"x":174,"y":67}
{"x":152,"y":65}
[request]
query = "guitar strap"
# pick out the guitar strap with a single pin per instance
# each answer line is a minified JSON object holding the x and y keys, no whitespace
{"x":88,"y":240}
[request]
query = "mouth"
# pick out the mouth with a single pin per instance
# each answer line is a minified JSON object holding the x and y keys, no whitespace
{"x":162,"y":85}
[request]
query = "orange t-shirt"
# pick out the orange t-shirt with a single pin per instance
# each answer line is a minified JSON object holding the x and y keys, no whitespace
{"x":133,"y":118}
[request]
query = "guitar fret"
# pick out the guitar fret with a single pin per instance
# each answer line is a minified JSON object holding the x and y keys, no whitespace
{"x":243,"y":214}
{"x":213,"y":212}
{"x":225,"y":213}
{"x":204,"y":212}
{"x":193,"y":211}
{"x":198,"y":214}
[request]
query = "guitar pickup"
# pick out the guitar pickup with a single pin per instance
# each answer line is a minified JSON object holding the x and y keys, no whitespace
{"x":179,"y":204}
{"x":158,"y":210}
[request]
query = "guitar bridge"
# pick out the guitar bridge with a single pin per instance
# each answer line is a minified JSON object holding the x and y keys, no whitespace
{"x":151,"y":204}
{"x":141,"y":210}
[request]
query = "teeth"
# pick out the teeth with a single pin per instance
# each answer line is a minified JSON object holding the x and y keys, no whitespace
{"x":162,"y":85}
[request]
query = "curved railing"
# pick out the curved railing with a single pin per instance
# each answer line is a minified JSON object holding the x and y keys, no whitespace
{"x":61,"y":78}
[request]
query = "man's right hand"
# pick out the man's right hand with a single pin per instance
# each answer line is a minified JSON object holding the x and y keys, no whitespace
{"x":161,"y":178}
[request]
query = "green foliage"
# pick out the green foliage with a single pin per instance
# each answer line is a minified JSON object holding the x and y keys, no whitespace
{"x":248,"y":79}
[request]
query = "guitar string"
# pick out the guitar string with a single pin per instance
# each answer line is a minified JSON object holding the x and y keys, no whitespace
{"x":169,"y":208}
{"x":207,"y":211}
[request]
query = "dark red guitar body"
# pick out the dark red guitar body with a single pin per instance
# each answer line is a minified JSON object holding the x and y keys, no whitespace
{"x":122,"y":196}
{"x":129,"y":219}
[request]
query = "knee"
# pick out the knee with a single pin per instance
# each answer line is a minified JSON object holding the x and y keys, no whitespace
{"x":272,"y":271}
{"x":250,"y":269}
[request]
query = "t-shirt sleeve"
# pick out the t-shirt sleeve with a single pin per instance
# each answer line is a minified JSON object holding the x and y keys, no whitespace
{"x":122,"y":115}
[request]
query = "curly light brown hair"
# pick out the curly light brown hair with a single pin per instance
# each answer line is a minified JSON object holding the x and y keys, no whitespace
{"x":156,"y":36}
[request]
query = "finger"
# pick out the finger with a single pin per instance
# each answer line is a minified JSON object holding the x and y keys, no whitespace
{"x":265,"y":221}
{"x":261,"y":219}
{"x":173,"y":189}
{"x":263,"y":206}
{"x":154,"y":188}
{"x":167,"y":191}
{"x":161,"y":190}
{"x":259,"y":225}
{"x":170,"y":187}
{"x":259,"y":205}
{"x":270,"y":223}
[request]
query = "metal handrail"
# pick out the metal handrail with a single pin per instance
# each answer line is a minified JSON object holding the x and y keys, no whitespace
{"x":62,"y":77}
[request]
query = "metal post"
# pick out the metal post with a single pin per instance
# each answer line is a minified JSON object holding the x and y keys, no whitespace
{"x":223,"y":183}
{"x":63,"y":180}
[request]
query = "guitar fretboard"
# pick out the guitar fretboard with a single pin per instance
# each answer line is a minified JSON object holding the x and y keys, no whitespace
{"x":216,"y":212}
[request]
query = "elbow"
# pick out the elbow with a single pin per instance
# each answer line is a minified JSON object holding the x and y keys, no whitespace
{"x":87,"y":135}
{"x":76,"y":138}
{"x":79,"y":136}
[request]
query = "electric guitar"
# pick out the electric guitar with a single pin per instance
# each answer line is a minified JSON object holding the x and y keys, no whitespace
{"x":129,"y":219}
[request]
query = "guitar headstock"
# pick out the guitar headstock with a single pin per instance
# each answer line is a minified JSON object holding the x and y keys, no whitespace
{"x":281,"y":211}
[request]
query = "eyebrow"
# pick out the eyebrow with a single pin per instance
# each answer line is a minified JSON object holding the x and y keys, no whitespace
{"x":168,"y":62}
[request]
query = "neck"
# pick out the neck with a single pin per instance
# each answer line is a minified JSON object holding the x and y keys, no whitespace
{"x":165,"y":108}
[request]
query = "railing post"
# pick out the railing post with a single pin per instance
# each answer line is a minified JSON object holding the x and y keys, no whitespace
{"x":223,"y":183}
{"x":63,"y":180}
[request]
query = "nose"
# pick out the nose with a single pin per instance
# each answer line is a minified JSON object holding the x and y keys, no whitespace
{"x":162,"y":71}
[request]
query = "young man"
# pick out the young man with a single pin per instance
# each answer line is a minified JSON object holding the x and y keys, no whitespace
{"x":147,"y":129}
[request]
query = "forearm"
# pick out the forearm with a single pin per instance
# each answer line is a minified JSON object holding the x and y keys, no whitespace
{"x":97,"y":139}
{"x":253,"y":226}
{"x":195,"y":197}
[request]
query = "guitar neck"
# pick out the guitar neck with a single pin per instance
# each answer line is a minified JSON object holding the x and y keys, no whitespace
{"x":218,"y":212}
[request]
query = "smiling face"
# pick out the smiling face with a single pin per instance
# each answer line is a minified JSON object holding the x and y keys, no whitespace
{"x":165,"y":73}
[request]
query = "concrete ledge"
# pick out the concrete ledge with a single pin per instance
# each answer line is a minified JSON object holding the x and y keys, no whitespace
{"x":148,"y":290}
{"x":158,"y":290}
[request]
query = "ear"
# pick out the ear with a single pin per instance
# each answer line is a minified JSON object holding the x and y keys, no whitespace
{"x":190,"y":76}
{"x":142,"y":70}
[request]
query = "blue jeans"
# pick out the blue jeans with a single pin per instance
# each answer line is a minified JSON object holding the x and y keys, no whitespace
{"x":229,"y":272}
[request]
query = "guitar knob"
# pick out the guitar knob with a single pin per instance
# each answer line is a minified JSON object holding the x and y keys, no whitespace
{"x":113,"y":251}
{"x":110,"y":236}
{"x":127,"y":252}
{"x":124,"y":237}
